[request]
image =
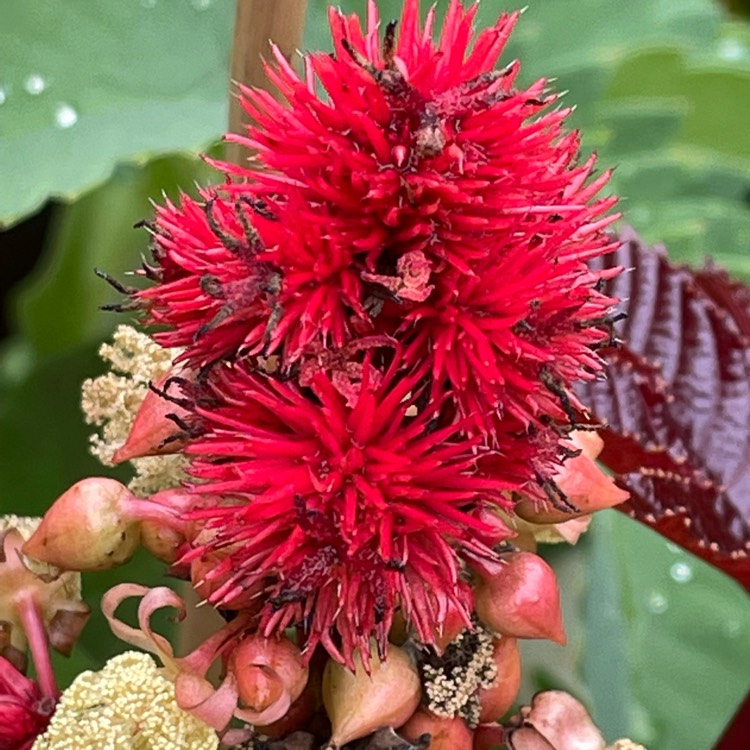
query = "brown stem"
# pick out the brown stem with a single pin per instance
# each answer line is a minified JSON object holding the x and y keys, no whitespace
{"x":257,"y":23}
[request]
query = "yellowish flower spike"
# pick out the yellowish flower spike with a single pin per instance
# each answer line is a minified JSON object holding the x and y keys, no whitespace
{"x":112,"y":400}
{"x":128,"y":705}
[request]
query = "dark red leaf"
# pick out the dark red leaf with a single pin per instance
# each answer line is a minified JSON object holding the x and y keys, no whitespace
{"x":676,"y":402}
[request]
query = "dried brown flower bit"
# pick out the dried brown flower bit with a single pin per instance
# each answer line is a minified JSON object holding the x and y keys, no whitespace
{"x":39,"y":606}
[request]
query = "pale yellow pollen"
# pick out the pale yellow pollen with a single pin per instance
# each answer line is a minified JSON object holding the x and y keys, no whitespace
{"x":128,"y":705}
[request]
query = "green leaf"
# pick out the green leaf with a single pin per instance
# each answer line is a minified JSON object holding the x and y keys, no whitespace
{"x":688,"y":643}
{"x":88,"y":84}
{"x":58,"y":304}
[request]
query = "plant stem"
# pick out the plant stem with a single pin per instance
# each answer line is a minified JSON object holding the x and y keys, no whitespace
{"x":147,"y":510}
{"x":32,"y":624}
{"x":257,"y":23}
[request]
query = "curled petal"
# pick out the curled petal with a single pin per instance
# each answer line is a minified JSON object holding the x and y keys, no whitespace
{"x":143,"y":637}
{"x":198,"y":696}
{"x":273,"y":713}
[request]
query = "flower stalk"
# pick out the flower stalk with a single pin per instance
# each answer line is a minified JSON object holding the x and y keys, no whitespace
{"x":31,"y":619}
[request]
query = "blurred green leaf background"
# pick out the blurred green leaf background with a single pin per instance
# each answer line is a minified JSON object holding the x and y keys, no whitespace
{"x":106,"y":105}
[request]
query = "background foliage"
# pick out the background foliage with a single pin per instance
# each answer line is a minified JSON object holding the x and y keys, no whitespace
{"x":104,"y":105}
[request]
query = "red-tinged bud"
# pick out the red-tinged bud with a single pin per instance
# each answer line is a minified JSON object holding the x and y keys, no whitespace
{"x":494,"y":701}
{"x":95,"y":525}
{"x":489,"y":737}
{"x":359,"y":702}
{"x":270,"y":676}
{"x":557,"y":719}
{"x":300,"y":713}
{"x":519,"y":597}
{"x":87,"y":528}
{"x":153,"y":433}
{"x":585,"y":485}
{"x":445,"y":734}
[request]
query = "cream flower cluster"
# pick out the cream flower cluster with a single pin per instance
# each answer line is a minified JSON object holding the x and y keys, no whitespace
{"x":128,"y":705}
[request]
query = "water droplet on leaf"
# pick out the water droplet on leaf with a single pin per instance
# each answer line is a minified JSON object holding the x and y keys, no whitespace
{"x":35,"y":84}
{"x":65,"y":116}
{"x":657,"y":603}
{"x":681,"y":572}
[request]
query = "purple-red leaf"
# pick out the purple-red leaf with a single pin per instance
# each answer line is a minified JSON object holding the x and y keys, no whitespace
{"x":676,"y":402}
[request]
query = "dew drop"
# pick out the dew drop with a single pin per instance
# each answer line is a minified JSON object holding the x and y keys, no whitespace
{"x":65,"y":116}
{"x":681,"y":572}
{"x":35,"y":84}
{"x":731,"y":49}
{"x":657,"y":603}
{"x":674,"y":548}
{"x":202,"y":4}
{"x":3,"y":95}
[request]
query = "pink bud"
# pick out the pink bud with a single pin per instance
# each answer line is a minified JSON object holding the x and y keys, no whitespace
{"x":270,"y":676}
{"x":445,"y":734}
{"x":87,"y":528}
{"x":519,"y":597}
{"x":153,"y":433}
{"x":499,"y":697}
{"x":301,"y":712}
{"x":360,"y":702}
{"x":557,"y":719}
{"x":95,"y":525}
{"x":585,"y":485}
